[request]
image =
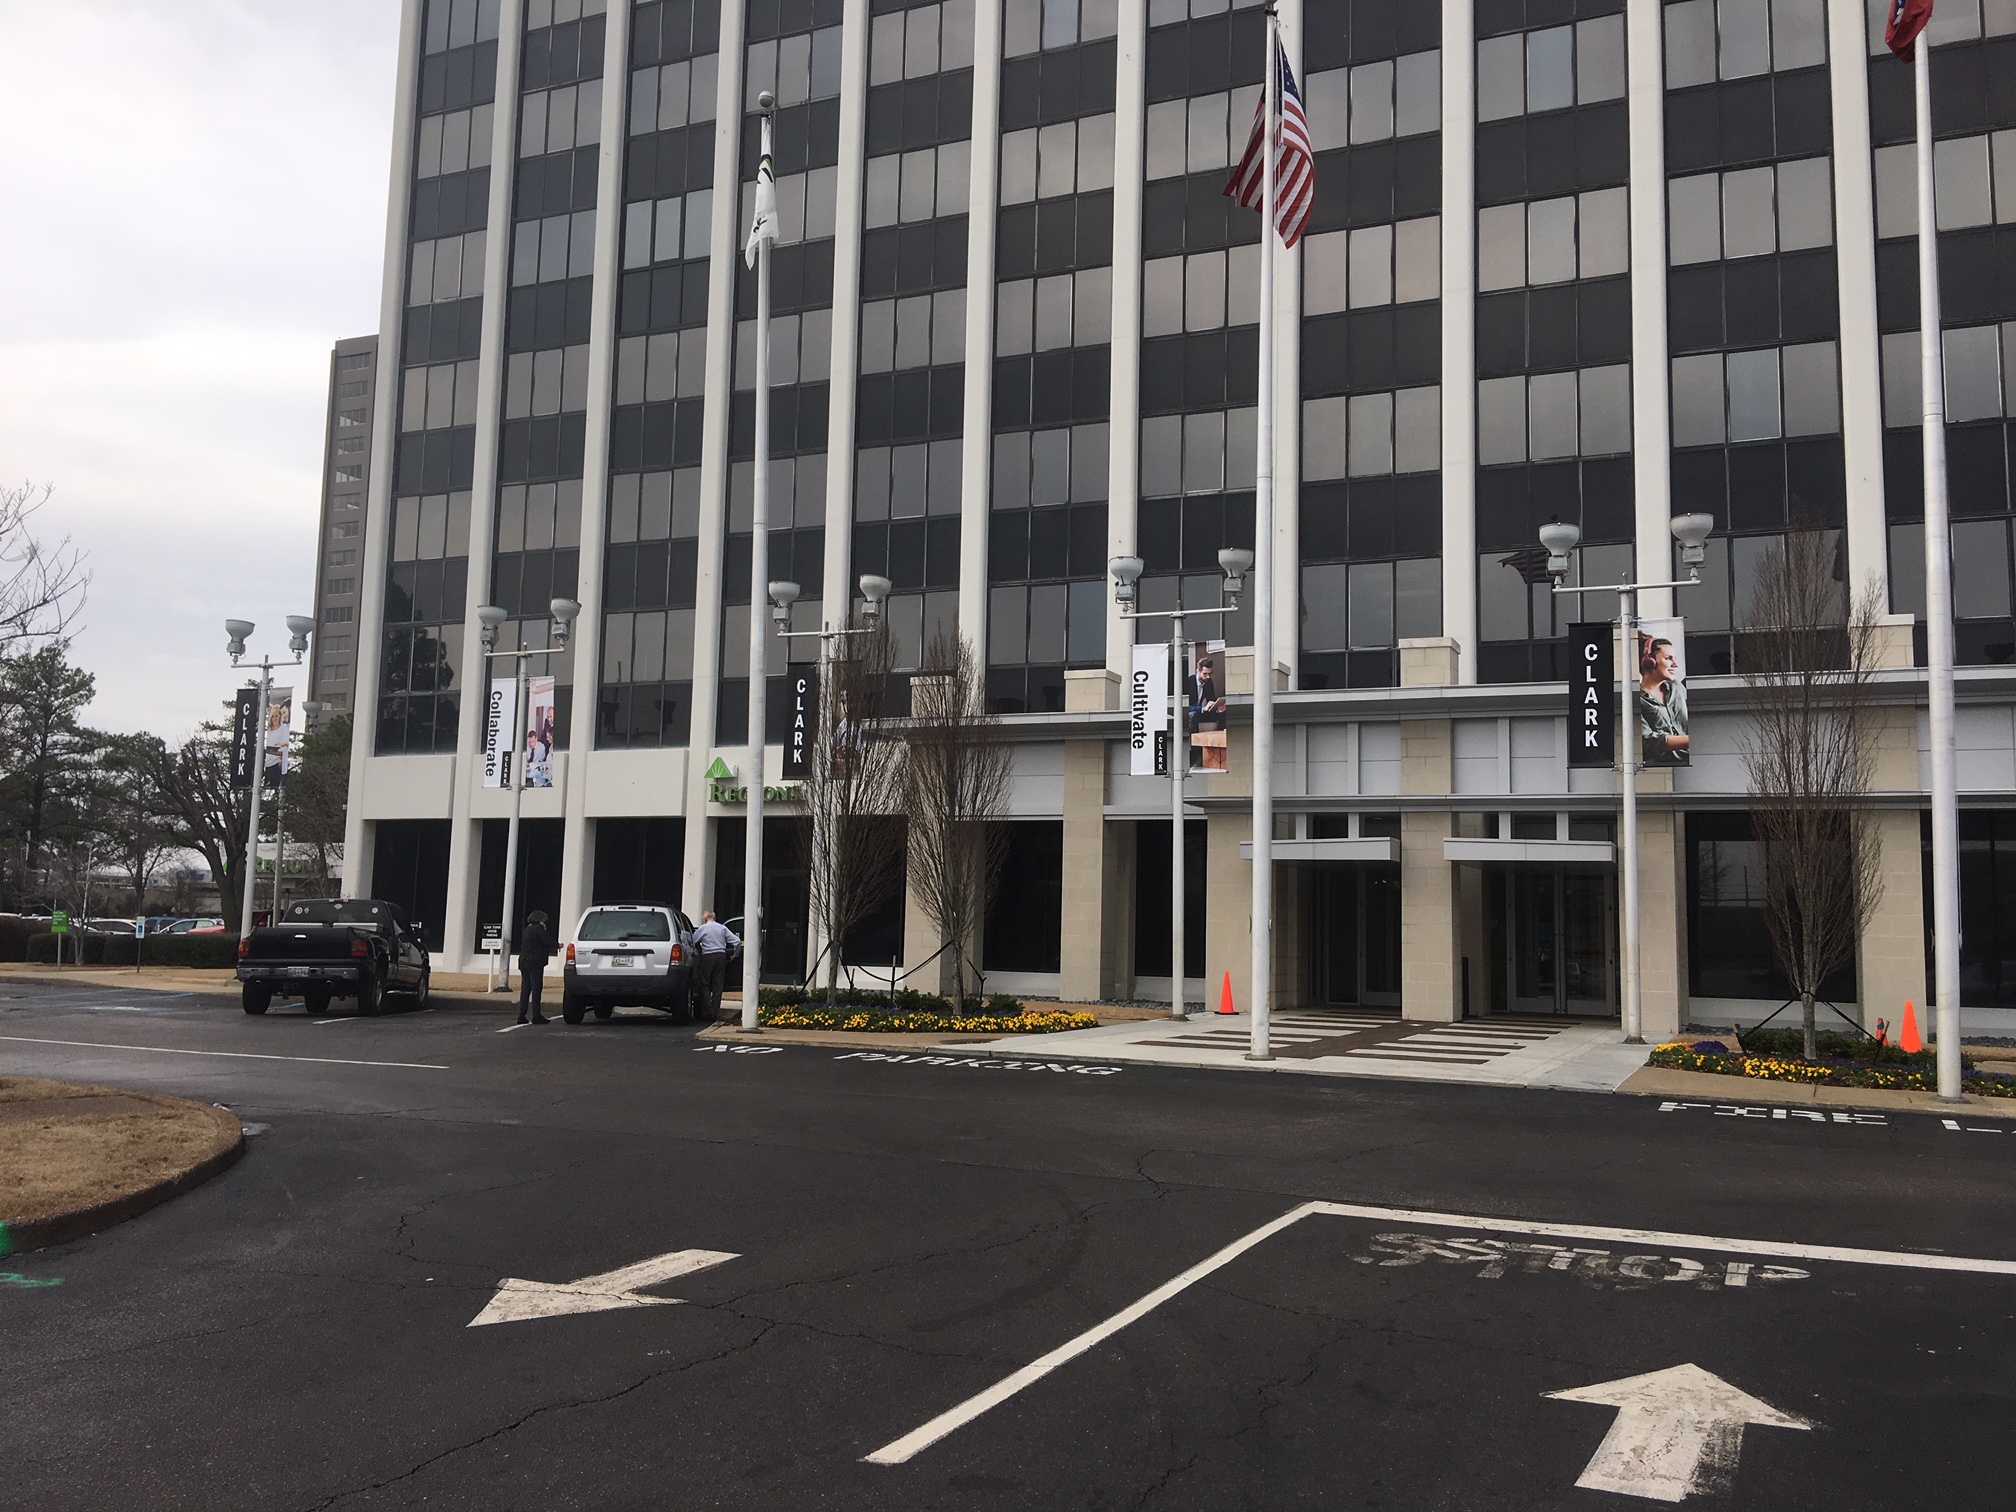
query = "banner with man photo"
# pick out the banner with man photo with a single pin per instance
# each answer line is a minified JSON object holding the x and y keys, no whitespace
{"x":1661,"y":695}
{"x":1209,"y":718}
{"x":539,"y":696}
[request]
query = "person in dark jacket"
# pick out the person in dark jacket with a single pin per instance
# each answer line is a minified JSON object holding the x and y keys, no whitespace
{"x":535,"y":949}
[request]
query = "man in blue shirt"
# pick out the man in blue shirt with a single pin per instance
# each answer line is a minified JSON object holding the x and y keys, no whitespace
{"x":713,"y":944}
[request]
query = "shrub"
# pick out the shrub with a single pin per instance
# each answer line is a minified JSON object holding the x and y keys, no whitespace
{"x":873,"y":1021}
{"x":214,"y":952}
{"x":15,"y":935}
{"x":1920,"y":1074}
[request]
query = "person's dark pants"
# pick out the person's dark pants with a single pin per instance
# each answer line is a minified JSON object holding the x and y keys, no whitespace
{"x":531,"y":982}
{"x":713,"y":969}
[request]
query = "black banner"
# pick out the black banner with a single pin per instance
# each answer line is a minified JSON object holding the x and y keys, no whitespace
{"x":246,"y":748}
{"x":798,"y":735}
{"x":1592,"y":695}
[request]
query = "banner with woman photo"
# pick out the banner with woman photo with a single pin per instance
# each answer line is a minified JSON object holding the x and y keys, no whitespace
{"x":1661,"y":698}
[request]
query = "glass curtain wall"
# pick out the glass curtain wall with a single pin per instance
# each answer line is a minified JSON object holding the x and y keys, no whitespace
{"x":441,"y":335}
{"x":1371,"y":341}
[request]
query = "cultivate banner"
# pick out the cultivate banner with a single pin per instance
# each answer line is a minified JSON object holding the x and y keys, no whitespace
{"x":245,"y":746}
{"x":539,"y":695}
{"x":1661,"y":696}
{"x":1592,"y":695}
{"x":500,"y":724}
{"x":1148,"y":710}
{"x":804,"y":719}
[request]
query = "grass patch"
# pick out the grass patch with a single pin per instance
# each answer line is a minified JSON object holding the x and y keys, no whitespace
{"x":56,"y":1165}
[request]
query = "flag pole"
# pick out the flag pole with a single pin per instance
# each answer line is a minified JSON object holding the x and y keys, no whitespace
{"x":1263,"y":578}
{"x":761,"y":236}
{"x":1938,"y":606}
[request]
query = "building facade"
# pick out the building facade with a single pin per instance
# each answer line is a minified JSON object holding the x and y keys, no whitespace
{"x":339,"y":547}
{"x":1602,"y":261}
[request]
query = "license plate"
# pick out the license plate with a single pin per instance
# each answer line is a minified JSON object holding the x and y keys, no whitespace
{"x":301,"y":971}
{"x":631,"y":961}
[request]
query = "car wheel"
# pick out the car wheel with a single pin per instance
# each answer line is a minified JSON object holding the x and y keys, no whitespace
{"x":570,"y":1009}
{"x":369,"y":996}
{"x":603,"y":1010}
{"x":315,"y":1002}
{"x":257,"y":998}
{"x":421,"y":991}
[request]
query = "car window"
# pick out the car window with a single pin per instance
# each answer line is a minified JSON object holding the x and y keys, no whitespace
{"x":626,"y":924}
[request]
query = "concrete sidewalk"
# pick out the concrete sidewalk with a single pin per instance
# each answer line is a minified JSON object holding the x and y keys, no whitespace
{"x":1565,"y":1054}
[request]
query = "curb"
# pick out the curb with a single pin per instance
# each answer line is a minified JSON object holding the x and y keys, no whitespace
{"x":42,"y":1233}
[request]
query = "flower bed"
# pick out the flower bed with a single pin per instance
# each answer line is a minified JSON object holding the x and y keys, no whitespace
{"x":886,"y":1021}
{"x":1916,"y":1072}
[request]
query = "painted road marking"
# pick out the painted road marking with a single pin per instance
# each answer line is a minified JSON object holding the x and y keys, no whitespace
{"x":979,"y":1062}
{"x":920,"y":1439}
{"x":1678,"y":1433}
{"x":1593,"y":1267}
{"x":521,"y":1301}
{"x":314,"y":1060}
{"x":1953,"y":1125}
{"x":738,"y":1049}
{"x":1779,"y":1115}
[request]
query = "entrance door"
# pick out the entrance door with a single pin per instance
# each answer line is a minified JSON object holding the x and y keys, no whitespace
{"x":1561,"y":941}
{"x":1357,"y":935}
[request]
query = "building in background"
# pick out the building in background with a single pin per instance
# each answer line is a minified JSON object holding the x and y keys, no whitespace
{"x":339,"y":548}
{"x":1598,"y":262}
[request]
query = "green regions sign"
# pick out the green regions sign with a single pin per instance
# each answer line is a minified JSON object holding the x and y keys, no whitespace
{"x":722,"y":788}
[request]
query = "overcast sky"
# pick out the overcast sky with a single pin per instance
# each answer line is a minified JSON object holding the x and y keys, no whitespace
{"x":194,"y":201}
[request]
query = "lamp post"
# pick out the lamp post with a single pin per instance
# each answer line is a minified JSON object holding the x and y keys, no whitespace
{"x":1235,"y":561}
{"x":563,"y":611}
{"x":1560,"y":541}
{"x":875,"y":591}
{"x":236,"y":633}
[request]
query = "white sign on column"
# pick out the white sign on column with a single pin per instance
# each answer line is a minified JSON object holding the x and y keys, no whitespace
{"x":1148,"y":707}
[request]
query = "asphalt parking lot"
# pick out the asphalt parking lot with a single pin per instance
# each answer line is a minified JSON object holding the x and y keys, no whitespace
{"x":932,"y":1282}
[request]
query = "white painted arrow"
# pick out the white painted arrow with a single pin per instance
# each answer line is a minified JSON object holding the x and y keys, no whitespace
{"x":1678,"y":1433}
{"x":521,"y":1301}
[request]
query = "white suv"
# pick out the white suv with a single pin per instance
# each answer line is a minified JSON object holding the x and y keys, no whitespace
{"x":629,"y":953}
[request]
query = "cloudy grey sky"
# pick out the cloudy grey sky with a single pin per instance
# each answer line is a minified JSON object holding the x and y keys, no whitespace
{"x":194,"y":211}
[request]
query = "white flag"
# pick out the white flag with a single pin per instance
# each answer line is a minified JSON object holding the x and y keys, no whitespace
{"x":764,"y":228}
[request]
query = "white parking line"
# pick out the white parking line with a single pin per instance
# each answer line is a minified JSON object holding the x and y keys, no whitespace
{"x":509,"y":1027}
{"x":318,"y":1060}
{"x":920,"y":1439}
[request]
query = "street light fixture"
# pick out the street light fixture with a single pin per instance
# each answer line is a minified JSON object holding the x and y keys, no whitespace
{"x":782,"y":596}
{"x":236,"y":633}
{"x":1235,"y":562}
{"x":1560,"y":539}
{"x":491,"y":618}
{"x":875,"y":592}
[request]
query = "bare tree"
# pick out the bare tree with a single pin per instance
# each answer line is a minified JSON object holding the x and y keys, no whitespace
{"x":318,"y":796}
{"x":852,"y":838}
{"x":41,"y":587}
{"x":210,"y":816}
{"x":1807,"y":661}
{"x":137,"y":834}
{"x":955,"y":791}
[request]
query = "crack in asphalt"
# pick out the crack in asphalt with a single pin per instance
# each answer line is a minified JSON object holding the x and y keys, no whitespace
{"x":529,"y":1415}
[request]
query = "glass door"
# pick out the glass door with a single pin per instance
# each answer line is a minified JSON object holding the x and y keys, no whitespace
{"x":1561,"y":941}
{"x":1357,"y":935}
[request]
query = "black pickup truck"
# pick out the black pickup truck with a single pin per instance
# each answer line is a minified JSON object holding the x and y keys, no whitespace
{"x":334,"y":947}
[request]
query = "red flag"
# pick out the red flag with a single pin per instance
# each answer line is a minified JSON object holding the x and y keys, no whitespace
{"x":1907,"y":19}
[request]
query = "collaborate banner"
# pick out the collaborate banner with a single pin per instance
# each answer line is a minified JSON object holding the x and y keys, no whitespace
{"x":1660,"y":698}
{"x":245,"y":743}
{"x":279,"y":749}
{"x":1592,"y":694}
{"x":1208,"y":709}
{"x":500,"y":723}
{"x":1148,"y":712}
{"x":539,"y":732}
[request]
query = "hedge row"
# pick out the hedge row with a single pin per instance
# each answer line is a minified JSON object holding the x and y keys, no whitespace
{"x":871,"y":1021}
{"x":212,"y":952}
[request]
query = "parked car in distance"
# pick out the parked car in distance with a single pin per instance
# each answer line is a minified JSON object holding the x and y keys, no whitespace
{"x":323,"y":948}
{"x":106,"y":926}
{"x":190,"y":926}
{"x":629,"y":953}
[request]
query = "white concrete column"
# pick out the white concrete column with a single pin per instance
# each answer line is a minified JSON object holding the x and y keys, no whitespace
{"x":1123,"y":457}
{"x":1855,"y":273}
{"x":976,"y":458}
{"x":1651,"y":378}
{"x":465,"y":835}
{"x":577,"y":848}
{"x":370,"y":642}
{"x":845,"y":366}
{"x":696,"y":886}
{"x":1459,"y":334}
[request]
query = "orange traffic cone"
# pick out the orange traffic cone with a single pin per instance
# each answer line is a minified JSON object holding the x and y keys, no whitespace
{"x":1910,"y":1041}
{"x":1225,"y":997}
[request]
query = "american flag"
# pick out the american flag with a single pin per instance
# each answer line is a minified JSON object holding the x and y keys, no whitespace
{"x":1294,"y":165}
